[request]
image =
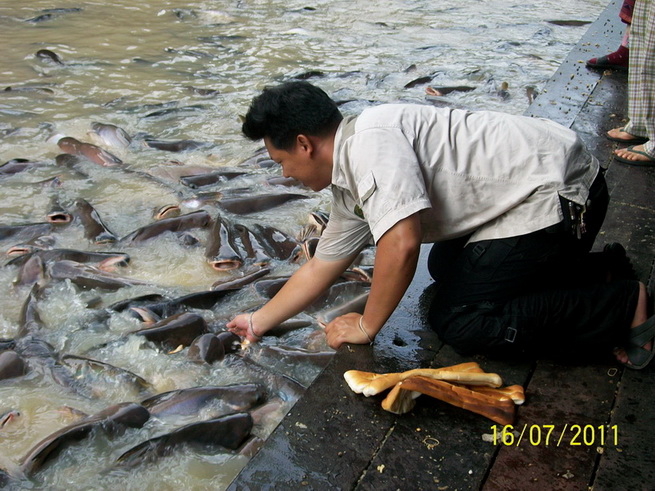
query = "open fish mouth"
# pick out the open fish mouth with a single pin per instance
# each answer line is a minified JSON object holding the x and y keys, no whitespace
{"x":105,"y":238}
{"x":18,"y":251}
{"x":226,"y":264}
{"x":59,"y":217}
{"x":167,"y":211}
{"x":8,"y":417}
{"x":146,"y":315}
{"x":109,"y":265}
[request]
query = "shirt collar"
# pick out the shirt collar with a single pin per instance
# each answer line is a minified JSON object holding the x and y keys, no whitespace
{"x":345,"y":130}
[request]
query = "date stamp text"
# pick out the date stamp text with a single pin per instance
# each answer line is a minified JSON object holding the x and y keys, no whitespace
{"x":555,"y":435}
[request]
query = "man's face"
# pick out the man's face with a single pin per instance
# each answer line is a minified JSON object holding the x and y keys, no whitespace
{"x":298,"y":163}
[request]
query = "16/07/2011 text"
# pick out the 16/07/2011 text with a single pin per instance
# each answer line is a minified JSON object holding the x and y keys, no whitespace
{"x":555,"y":435}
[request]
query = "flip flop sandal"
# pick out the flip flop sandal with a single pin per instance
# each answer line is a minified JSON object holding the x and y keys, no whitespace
{"x":642,"y":333}
{"x":635,"y":140}
{"x":643,"y":163}
{"x":638,"y":357}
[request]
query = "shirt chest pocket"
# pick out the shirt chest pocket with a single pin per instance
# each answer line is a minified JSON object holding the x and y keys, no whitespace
{"x":365,"y":187}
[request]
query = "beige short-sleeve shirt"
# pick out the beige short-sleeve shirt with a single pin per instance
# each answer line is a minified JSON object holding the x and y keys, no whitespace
{"x":492,"y":174}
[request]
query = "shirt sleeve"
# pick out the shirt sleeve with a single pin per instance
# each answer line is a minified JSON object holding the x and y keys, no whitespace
{"x":385,"y":185}
{"x":346,"y":232}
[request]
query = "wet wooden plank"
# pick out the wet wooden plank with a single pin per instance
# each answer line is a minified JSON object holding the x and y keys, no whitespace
{"x":635,"y":229}
{"x":630,"y":463}
{"x":548,"y":448}
{"x":435,"y":446}
{"x":631,"y":185}
{"x":631,"y":215}
{"x":439,"y":446}
{"x":605,"y":109}
{"x":327,"y":438}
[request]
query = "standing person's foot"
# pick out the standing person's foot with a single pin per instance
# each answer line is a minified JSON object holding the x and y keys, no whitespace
{"x":634,"y":155}
{"x":617,"y":60}
{"x":622,"y":136}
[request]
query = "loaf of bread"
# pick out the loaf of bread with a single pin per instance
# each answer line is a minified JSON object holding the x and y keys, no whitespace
{"x":497,"y":407}
{"x":513,"y":392}
{"x":370,"y":384}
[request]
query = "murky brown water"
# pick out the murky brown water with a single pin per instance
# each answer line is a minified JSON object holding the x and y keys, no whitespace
{"x":121,"y":62}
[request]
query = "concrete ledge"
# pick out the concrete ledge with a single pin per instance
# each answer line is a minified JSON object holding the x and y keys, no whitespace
{"x":569,"y":89}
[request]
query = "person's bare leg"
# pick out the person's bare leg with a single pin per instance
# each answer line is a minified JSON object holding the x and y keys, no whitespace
{"x":641,"y":314}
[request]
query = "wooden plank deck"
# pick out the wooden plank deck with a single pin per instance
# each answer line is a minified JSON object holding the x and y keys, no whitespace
{"x":335,"y":439}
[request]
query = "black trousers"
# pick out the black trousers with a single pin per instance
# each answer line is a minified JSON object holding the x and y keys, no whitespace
{"x":535,"y":293}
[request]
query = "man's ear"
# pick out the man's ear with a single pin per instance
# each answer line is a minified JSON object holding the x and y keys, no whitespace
{"x":304,"y":143}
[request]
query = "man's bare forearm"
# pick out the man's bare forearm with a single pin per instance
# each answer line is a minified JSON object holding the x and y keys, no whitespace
{"x":304,"y":286}
{"x":395,"y":264}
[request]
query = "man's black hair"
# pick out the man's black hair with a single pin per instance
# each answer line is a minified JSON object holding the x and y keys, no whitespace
{"x":283,"y":112}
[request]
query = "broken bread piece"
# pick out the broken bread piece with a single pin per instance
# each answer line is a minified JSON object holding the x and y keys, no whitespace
{"x":514,"y":392}
{"x":370,"y":384}
{"x":497,"y":407}
{"x":399,"y":400}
